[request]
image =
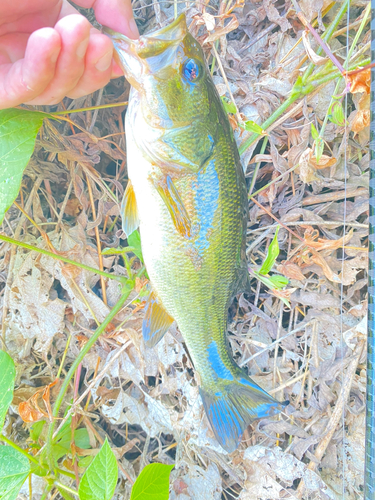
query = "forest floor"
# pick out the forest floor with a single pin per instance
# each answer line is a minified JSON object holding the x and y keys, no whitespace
{"x":307,"y":174}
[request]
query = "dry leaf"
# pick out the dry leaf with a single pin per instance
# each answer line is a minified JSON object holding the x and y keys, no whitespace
{"x":323,"y":244}
{"x":314,"y":58}
{"x":360,"y":82}
{"x":361,"y":121}
{"x":290,"y":270}
{"x":222,"y":30}
{"x":30,"y":410}
{"x":209,"y":21}
{"x":73,"y":207}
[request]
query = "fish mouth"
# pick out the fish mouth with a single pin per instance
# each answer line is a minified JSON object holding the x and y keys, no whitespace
{"x":151,"y":44}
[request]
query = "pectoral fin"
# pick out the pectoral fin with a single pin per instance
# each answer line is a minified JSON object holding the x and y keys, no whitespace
{"x":156,"y":321}
{"x":176,"y":208}
{"x":130,"y":219}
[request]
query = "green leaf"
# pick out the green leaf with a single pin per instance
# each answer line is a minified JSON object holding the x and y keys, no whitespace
{"x":85,"y":461}
{"x":62,"y":443}
{"x":152,"y":483}
{"x":278,"y":281}
{"x":14,"y":469}
{"x":251,"y":126}
{"x":36,"y":430}
{"x":229,"y":106}
{"x":272,"y":254}
{"x":100,"y":479}
{"x":134,"y":241}
{"x":7,"y":376}
{"x":336,"y":113}
{"x":314,"y":132}
{"x":18,"y":131}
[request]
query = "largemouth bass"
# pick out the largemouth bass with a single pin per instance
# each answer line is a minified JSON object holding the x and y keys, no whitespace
{"x":187,"y":194}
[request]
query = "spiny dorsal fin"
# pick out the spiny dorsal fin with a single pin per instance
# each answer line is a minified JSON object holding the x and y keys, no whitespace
{"x":176,"y":208}
{"x":130,"y":219}
{"x":156,"y":321}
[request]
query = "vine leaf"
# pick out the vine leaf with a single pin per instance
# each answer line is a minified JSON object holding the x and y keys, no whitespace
{"x":14,"y":469}
{"x":7,"y":377}
{"x":18,"y":131}
{"x":99,"y":480}
{"x":152,"y":483}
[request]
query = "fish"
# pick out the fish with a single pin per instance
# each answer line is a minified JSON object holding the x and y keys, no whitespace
{"x":187,"y":195}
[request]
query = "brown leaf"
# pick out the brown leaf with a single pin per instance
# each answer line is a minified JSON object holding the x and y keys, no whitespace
{"x":222,"y":30}
{"x":328,"y":273}
{"x":324,"y":162}
{"x":29,"y":414}
{"x":30,"y":410}
{"x":360,"y":82}
{"x":314,"y":58}
{"x":361,"y":120}
{"x":306,"y":169}
{"x":73,"y":207}
{"x":323,"y":244}
{"x":290,"y":270}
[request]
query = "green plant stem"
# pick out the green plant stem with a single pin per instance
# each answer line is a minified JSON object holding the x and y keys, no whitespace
{"x":326,"y":36}
{"x":296,"y":94}
{"x":303,"y":87}
{"x":31,"y":458}
{"x":56,"y":407}
{"x":345,"y":65}
{"x":358,"y":34}
{"x":66,"y":488}
{"x":285,"y":105}
{"x":48,"y":488}
{"x":60,"y":257}
{"x":91,"y":108}
{"x":274,"y":181}
{"x":20,"y":450}
{"x":256,"y":169}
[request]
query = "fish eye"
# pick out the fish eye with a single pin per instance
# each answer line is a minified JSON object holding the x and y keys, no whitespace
{"x":191,"y":70}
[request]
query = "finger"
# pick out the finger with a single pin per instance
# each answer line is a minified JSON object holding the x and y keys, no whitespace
{"x":116,"y":14}
{"x":98,"y":66}
{"x":28,"y":77}
{"x":74,"y":31}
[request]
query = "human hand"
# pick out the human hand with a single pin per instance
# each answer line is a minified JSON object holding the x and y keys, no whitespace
{"x":49,"y":51}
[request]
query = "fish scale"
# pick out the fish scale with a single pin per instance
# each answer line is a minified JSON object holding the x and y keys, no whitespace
{"x":187,"y":192}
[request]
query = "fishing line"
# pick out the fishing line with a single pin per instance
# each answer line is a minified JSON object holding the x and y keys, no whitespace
{"x":369,"y":493}
{"x":342,"y":343}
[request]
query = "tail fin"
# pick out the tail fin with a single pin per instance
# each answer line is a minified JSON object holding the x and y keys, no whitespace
{"x":231,"y":409}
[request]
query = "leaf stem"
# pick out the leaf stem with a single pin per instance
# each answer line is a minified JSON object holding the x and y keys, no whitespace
{"x":60,"y":257}
{"x":66,"y":488}
{"x":16,"y":447}
{"x":91,"y":108}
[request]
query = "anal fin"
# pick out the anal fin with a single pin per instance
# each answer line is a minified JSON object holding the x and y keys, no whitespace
{"x":130,"y":219}
{"x":156,"y":321}
{"x":176,"y":208}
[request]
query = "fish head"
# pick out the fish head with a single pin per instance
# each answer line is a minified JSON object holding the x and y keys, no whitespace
{"x":168,"y":70}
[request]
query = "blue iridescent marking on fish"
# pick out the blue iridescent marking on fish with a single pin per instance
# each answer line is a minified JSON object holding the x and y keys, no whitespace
{"x":217,"y":364}
{"x":206,"y":203}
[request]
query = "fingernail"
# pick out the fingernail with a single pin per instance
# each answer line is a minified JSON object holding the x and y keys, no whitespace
{"x":133,"y":28}
{"x":81,"y":49}
{"x":104,"y":62}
